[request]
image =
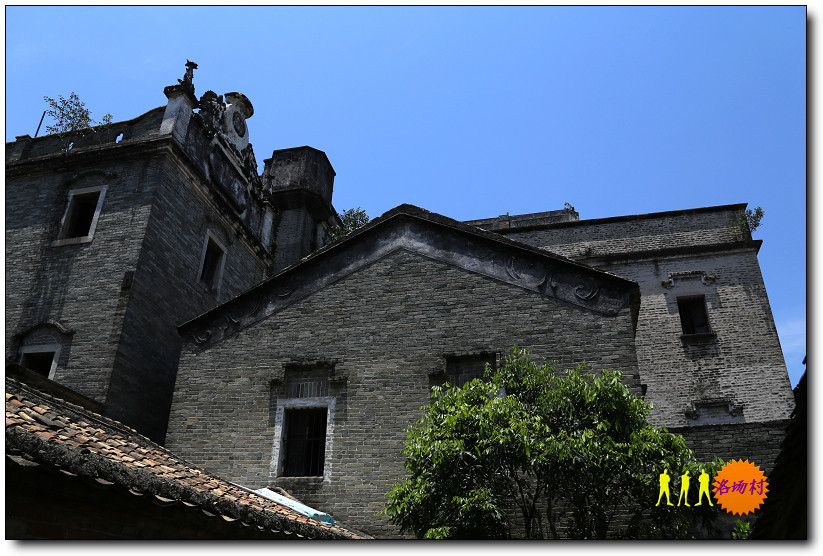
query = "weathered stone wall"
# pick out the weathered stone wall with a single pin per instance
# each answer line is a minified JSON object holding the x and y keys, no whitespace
{"x":118,"y":337}
{"x":741,"y":363}
{"x":295,"y":228}
{"x":78,"y":286}
{"x":385,"y":328}
{"x":167,"y":292}
{"x":757,"y":442}
{"x":626,"y":235}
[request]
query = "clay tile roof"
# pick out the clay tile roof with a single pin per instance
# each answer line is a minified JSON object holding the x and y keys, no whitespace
{"x":45,"y":430}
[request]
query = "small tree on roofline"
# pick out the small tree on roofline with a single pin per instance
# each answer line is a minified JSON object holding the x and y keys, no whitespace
{"x":72,"y":118}
{"x":573,"y":453}
{"x":352,"y":219}
{"x":747,"y":221}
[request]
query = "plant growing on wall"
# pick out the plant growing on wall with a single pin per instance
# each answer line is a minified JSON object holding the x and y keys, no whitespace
{"x":351,"y":220}
{"x":747,"y":221}
{"x":71,"y":118}
{"x":562,"y":455}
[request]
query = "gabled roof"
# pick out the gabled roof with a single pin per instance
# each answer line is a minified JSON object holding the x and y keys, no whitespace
{"x":436,"y":237}
{"x":45,"y":430}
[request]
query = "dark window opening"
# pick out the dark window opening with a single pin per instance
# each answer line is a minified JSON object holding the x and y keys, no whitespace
{"x":693,"y":316}
{"x":462,"y":369}
{"x":304,"y":443}
{"x":212,"y":258}
{"x":38,"y":361}
{"x":80,"y":215}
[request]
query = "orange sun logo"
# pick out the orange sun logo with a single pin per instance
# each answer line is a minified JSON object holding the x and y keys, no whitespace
{"x":740,"y":487}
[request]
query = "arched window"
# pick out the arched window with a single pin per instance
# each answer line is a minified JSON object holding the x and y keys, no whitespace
{"x":43,"y":348}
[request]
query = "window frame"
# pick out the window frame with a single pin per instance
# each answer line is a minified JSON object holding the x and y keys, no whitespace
{"x":693,"y":301}
{"x":278,"y":451}
{"x":71,"y":202}
{"x":55,"y":349}
{"x":218,"y":280}
{"x":313,"y":445}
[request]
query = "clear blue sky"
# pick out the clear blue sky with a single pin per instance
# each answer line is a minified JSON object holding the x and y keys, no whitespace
{"x":475,"y":112}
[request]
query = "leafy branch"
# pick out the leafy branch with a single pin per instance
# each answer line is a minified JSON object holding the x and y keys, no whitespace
{"x":747,"y":221}
{"x":72,"y":118}
{"x":351,"y":220}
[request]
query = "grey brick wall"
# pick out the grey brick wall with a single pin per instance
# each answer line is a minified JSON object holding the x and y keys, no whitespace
{"x":167,"y":292}
{"x":386,"y":328}
{"x":626,"y":235}
{"x":757,"y":442}
{"x":293,"y":237}
{"x":77,"y":286}
{"x":743,"y":362}
{"x":120,"y":344}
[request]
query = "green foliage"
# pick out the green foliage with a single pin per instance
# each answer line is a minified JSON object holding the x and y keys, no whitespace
{"x":747,"y":221}
{"x":71,"y":117}
{"x":568,"y":207}
{"x":567,"y":452}
{"x":742,"y":530}
{"x":352,"y":219}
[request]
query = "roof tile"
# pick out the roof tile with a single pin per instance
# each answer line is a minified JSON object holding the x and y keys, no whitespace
{"x":61,"y":433}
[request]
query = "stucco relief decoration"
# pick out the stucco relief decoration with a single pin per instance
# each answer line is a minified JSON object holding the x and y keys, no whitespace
{"x":510,"y":270}
{"x":199,"y":340}
{"x":211,"y":112}
{"x":675,"y":277}
{"x":554,"y":281}
{"x":587,"y":289}
{"x":188,"y":78}
{"x":548,"y":281}
{"x":238,"y":110}
{"x":560,"y":280}
{"x":239,"y":124}
{"x":231,"y":184}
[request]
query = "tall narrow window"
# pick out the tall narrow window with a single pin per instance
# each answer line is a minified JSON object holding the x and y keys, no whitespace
{"x":82,"y":213}
{"x":211,"y":265}
{"x":693,"y":316}
{"x":304,"y":442}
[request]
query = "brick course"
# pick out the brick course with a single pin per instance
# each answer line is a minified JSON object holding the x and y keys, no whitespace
{"x":387,"y":327}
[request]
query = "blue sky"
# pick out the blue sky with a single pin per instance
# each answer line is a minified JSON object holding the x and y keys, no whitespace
{"x":476,"y":112}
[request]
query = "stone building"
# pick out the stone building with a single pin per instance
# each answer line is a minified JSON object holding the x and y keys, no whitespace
{"x":113,"y":238}
{"x":151,"y":270}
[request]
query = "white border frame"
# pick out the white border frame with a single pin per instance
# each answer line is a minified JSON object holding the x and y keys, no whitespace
{"x":87,"y":238}
{"x":43,"y":348}
{"x":277,"y":449}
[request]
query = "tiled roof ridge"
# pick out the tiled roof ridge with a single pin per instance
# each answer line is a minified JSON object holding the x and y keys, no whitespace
{"x":79,"y":411}
{"x":33,"y":431}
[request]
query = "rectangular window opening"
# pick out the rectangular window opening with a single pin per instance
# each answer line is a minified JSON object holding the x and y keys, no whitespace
{"x":80,"y":215}
{"x":212,"y":264}
{"x":304,"y":442}
{"x":462,"y":369}
{"x":693,"y":316}
{"x":38,"y":361}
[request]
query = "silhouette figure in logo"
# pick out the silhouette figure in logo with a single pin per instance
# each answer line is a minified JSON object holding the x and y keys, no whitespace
{"x":664,"y":488}
{"x":704,"y":488}
{"x":684,"y":489}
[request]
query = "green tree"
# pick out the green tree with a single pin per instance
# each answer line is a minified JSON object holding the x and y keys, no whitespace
{"x":71,"y":117}
{"x":352,"y":219}
{"x":747,"y":221}
{"x":571,"y":454}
